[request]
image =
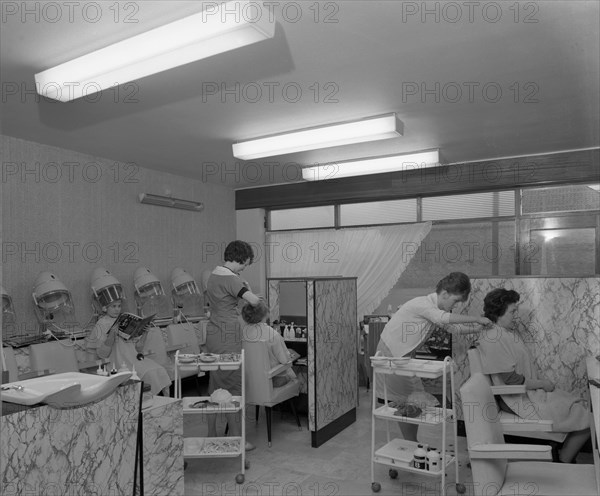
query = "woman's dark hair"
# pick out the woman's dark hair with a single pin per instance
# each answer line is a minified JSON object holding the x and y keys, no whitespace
{"x":455,"y":283}
{"x":254,"y":314}
{"x":496,"y":302}
{"x":238,"y":251}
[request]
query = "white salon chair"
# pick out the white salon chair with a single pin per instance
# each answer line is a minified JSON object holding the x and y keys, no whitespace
{"x":509,"y":469}
{"x":259,"y":382}
{"x":54,"y":356}
{"x":512,"y":424}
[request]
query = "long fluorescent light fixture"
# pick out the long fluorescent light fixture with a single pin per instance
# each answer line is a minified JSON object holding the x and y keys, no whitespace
{"x":167,"y":201}
{"x":344,"y":133}
{"x":391,"y":163}
{"x":217,"y":29}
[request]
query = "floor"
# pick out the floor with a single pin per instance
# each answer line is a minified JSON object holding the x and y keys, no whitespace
{"x":340,"y":467}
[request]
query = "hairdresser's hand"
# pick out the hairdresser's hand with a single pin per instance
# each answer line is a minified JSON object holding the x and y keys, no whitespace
{"x":484,"y":321}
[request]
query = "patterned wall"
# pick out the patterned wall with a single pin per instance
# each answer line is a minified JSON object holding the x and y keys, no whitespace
{"x":68,"y":213}
{"x":559,"y":320}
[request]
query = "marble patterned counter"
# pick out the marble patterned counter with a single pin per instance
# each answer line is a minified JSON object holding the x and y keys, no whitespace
{"x":91,"y":449}
{"x":559,"y":320}
{"x":163,"y":447}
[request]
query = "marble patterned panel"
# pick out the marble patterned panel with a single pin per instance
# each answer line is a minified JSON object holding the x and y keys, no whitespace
{"x":163,"y":447}
{"x":86,"y":450}
{"x":273,"y":296}
{"x":559,"y":320}
{"x":91,"y":449}
{"x":310,"y":353}
{"x":335,"y":349}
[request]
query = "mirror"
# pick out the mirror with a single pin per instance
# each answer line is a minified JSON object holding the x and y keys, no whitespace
{"x":292,"y":302}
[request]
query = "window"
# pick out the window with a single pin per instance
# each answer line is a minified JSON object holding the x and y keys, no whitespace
{"x":478,"y":249}
{"x":385,"y":212}
{"x":302,"y":218}
{"x":560,"y":199}
{"x":562,"y":252}
{"x":491,"y":204}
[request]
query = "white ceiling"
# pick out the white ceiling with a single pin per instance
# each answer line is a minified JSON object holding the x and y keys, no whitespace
{"x":353,"y":66}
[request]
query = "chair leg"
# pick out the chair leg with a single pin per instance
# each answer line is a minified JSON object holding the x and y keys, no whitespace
{"x":268,"y":411}
{"x":257,"y":411}
{"x":293,"y":406}
{"x":555,"y":451}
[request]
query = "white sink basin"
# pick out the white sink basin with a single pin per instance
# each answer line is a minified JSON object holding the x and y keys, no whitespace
{"x":64,"y":390}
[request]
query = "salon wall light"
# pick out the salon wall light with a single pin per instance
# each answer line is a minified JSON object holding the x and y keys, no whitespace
{"x":218,"y":28}
{"x":376,"y":165}
{"x":343,"y":133}
{"x":168,"y":201}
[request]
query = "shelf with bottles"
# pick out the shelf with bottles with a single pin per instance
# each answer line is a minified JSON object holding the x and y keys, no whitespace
{"x":396,"y":452}
{"x":400,"y":454}
{"x":292,"y":332}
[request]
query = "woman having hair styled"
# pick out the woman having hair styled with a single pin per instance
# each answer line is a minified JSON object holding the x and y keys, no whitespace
{"x":507,"y":360}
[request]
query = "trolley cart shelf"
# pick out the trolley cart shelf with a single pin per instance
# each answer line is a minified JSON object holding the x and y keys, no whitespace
{"x":398,"y":453}
{"x":213,"y":447}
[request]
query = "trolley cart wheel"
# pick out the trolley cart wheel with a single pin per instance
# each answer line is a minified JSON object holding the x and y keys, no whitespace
{"x":393,"y":473}
{"x":375,"y":487}
{"x":460,"y":488}
{"x":239,"y":478}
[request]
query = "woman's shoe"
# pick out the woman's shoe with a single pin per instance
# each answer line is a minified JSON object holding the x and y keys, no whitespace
{"x":249,"y":446}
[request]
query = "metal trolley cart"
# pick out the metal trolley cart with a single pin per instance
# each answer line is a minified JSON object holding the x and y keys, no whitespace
{"x":398,"y":453}
{"x":213,"y":447}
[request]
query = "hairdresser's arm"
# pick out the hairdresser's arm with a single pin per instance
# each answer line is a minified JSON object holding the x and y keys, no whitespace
{"x":466,"y":324}
{"x":251,"y":298}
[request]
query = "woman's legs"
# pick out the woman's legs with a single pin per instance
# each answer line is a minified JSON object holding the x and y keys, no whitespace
{"x":572,"y":445}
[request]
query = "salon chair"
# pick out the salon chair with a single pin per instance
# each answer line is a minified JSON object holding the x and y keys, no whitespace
{"x":500,"y":468}
{"x":513,"y":425}
{"x":259,"y":382}
{"x":54,"y":356}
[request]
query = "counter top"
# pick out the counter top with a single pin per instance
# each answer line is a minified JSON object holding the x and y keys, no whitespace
{"x":7,"y":408}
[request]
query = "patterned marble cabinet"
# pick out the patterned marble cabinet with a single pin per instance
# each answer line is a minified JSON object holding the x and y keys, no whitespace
{"x":327,"y":306}
{"x":91,"y":449}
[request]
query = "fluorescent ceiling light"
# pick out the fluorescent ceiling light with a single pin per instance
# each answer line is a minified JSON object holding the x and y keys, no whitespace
{"x":217,"y":29}
{"x":167,"y":201}
{"x":344,"y":133}
{"x":391,"y":163}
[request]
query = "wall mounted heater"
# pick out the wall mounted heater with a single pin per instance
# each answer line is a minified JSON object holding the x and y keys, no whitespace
{"x":168,"y":201}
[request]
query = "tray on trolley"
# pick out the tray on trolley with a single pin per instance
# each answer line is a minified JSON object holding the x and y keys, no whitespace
{"x":429,"y":369}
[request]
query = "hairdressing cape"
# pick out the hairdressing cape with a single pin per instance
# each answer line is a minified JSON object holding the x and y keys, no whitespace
{"x":504,"y":351}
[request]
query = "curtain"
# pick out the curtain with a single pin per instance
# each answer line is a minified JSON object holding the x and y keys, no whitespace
{"x":377,"y":256}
